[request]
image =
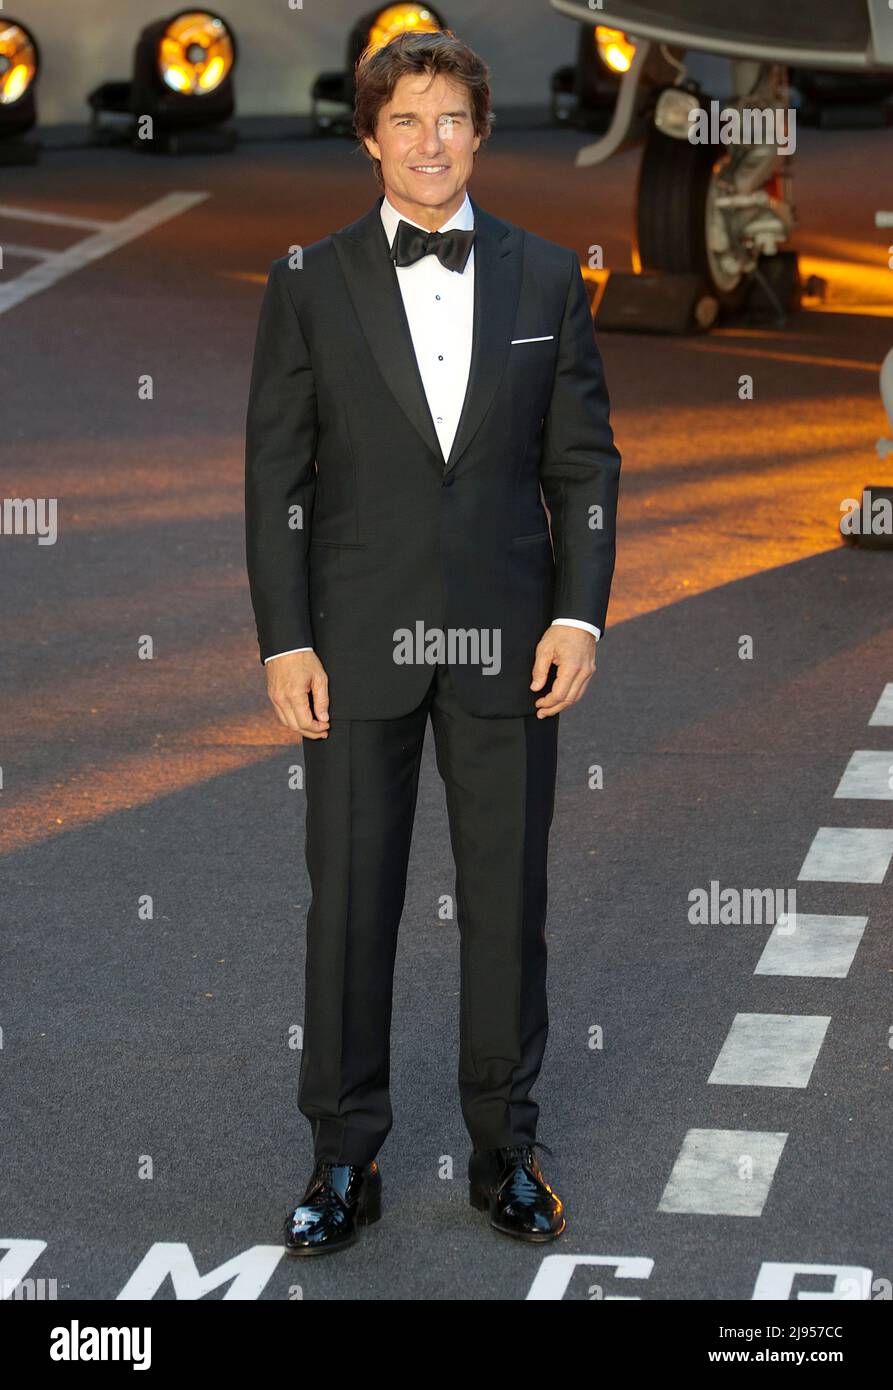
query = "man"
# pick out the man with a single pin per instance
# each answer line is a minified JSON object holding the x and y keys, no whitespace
{"x":425,"y":377}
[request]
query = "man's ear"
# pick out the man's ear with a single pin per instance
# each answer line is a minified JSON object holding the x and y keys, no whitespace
{"x":372,"y":147}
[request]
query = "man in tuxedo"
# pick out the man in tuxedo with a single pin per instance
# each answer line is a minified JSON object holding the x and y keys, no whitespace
{"x":422,"y":380}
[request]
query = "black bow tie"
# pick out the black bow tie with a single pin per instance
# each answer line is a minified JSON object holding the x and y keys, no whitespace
{"x":451,"y":248}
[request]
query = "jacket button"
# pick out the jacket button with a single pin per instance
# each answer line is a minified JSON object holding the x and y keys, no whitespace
{"x":448,"y":480}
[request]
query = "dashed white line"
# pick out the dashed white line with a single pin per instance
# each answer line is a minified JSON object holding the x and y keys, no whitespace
{"x":846,"y":855}
{"x":723,"y":1172}
{"x":867,"y":776}
{"x":883,"y":710}
{"x":770,"y":1050}
{"x":818,"y":945}
{"x":729,"y":1172}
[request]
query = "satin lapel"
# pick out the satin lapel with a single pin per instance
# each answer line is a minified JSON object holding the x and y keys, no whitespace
{"x":371,"y":277}
{"x":497,"y":284}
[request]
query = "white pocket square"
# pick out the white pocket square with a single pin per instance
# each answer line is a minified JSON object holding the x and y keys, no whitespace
{"x":546,"y":338}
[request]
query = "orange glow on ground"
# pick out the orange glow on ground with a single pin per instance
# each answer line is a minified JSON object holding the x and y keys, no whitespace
{"x":95,"y":789}
{"x":689,"y":522}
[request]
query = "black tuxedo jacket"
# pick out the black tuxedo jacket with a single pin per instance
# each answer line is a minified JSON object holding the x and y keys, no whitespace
{"x":357,"y":529}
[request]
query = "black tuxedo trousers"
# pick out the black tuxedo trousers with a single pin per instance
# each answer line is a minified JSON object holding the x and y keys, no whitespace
{"x":361,"y":787}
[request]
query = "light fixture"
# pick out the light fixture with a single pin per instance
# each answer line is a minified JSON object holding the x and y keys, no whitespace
{"x":584,"y":93}
{"x":182,"y":80}
{"x":195,"y":53}
{"x":614,"y":48}
{"x":673,"y":110}
{"x":374,"y":30}
{"x":397,"y":19}
{"x":19,"y":67}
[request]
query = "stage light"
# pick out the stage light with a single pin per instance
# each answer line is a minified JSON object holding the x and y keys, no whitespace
{"x":19,"y":66}
{"x":378,"y":27}
{"x":614,"y":48}
{"x":584,"y":93}
{"x":18,"y":63}
{"x":195,"y":53}
{"x":182,"y":79}
{"x":396,"y":19}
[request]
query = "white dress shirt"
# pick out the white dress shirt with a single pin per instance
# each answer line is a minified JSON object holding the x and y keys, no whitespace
{"x":439,"y":306}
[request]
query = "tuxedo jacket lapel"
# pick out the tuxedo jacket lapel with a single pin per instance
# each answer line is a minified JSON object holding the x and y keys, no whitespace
{"x":497,"y":284}
{"x":371,"y":279}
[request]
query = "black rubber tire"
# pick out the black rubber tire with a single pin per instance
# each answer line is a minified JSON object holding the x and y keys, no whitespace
{"x":671,"y":208}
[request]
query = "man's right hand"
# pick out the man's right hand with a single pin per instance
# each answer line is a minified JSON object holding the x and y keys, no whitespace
{"x":291,"y":679}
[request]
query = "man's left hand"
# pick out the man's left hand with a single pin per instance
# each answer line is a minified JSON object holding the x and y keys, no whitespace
{"x":572,"y":650}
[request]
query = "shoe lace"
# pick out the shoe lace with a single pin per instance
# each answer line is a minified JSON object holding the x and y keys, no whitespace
{"x":524,"y":1183}
{"x":522,"y":1149}
{"x":321,"y":1181}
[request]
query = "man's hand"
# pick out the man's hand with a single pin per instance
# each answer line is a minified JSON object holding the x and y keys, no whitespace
{"x":290,"y":681}
{"x":572,"y":650}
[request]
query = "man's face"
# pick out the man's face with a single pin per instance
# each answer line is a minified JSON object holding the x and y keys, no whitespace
{"x":426,"y":143}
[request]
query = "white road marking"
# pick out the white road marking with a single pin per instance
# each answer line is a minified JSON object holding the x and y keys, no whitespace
{"x":556,"y":1271}
{"x":247,"y":1273}
{"x":770,"y":1050}
{"x":31,"y":253}
{"x":819,"y":946}
{"x":775,"y":1281}
{"x":883,"y":710}
{"x":867,"y":775}
{"x":92,"y":248}
{"x":723,"y":1172}
{"x":730,"y":1172}
{"x":52,"y":219}
{"x":839,"y":855}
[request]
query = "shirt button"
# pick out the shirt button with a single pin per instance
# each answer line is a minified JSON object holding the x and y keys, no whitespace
{"x":440,"y":419}
{"x":437,"y":296}
{"x":440,"y":357}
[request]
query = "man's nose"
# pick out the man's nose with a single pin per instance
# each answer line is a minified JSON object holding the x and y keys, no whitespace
{"x":431,"y":141}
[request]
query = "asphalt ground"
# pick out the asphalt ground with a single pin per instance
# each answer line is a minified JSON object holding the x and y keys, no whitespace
{"x":168,"y":1039}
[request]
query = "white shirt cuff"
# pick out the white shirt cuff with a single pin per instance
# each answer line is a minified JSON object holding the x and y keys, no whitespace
{"x":575,"y":622}
{"x":288,"y":653}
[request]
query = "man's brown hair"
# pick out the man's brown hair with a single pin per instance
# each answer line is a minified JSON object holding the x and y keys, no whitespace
{"x":378,"y":71}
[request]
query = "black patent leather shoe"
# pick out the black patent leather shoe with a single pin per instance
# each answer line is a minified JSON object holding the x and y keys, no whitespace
{"x":509,"y":1184}
{"x":339,"y":1198}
